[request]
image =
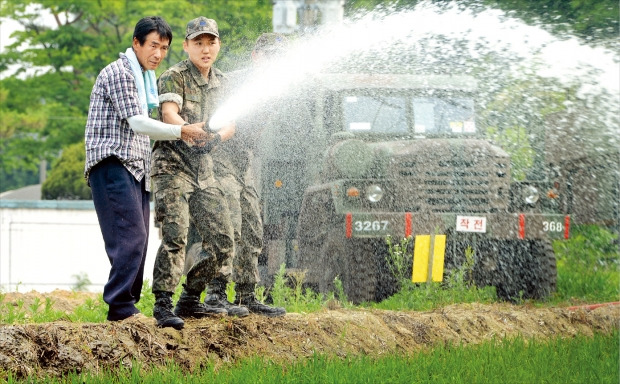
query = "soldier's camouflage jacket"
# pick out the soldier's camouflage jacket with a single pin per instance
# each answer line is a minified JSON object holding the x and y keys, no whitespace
{"x":176,"y":157}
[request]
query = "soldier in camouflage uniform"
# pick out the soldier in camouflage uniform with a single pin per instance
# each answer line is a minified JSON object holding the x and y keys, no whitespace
{"x":233,"y":169}
{"x":184,"y":182}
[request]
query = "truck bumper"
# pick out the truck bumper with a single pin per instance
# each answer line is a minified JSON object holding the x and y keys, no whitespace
{"x":496,"y":225}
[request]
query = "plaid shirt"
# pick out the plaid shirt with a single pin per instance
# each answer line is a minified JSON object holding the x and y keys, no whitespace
{"x":114,"y":98}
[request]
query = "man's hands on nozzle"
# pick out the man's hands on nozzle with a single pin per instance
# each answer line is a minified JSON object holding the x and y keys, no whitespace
{"x":223,"y":134}
{"x":203,"y":141}
{"x":214,"y":139}
{"x":227,"y":131}
{"x":193,"y":134}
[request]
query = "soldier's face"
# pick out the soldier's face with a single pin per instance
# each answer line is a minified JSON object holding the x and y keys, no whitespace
{"x":152,"y":52}
{"x":202,"y":51}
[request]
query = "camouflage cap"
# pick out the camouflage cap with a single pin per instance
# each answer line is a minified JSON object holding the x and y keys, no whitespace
{"x":272,"y":42}
{"x":201,"y":25}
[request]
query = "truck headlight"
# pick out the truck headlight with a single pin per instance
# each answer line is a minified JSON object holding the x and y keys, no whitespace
{"x":530,"y":195}
{"x":374,"y":193}
{"x":351,"y":158}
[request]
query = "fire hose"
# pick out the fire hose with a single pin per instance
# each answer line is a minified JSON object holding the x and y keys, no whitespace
{"x":589,"y":307}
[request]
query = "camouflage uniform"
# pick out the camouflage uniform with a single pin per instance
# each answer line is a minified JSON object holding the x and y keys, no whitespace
{"x":232,"y":164}
{"x":186,"y":189}
{"x":233,"y":170}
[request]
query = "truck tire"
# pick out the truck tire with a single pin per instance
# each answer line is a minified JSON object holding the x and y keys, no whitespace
{"x":512,"y":264}
{"x":359,"y":264}
{"x":387,"y":283}
{"x":359,"y":272}
{"x":333,"y":262}
{"x":313,"y":229}
{"x":518,"y":269}
{"x":544,"y":279}
{"x":348,"y":259}
{"x":526,"y":270}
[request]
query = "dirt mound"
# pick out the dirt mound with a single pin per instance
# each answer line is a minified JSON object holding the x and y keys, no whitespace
{"x":60,"y":347}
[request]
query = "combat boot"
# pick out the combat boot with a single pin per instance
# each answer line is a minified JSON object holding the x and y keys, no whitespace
{"x":189,"y":305}
{"x":247,"y":298}
{"x":216,"y":297}
{"x":162,"y":311}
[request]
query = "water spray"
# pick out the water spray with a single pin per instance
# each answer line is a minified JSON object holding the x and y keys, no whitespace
{"x":430,"y":34}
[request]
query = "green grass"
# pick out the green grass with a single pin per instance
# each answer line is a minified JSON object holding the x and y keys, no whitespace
{"x":580,"y":359}
{"x":37,"y":312}
{"x":434,"y":295}
{"x":289,"y":292}
{"x":588,"y":266}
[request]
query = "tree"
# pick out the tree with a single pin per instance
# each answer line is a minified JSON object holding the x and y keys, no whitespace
{"x":66,"y":179}
{"x":590,"y":20}
{"x":46,"y":111}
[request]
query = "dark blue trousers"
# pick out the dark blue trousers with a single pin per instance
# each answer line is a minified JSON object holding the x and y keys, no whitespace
{"x":122,"y":206}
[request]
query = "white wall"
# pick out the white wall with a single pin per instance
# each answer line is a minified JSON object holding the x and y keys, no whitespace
{"x":44,"y":244}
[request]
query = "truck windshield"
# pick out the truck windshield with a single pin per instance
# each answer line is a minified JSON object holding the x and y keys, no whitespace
{"x":389,"y":114}
{"x":375,"y":114}
{"x":435,"y":115}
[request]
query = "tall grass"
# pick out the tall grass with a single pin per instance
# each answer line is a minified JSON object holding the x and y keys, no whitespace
{"x":588,"y":266}
{"x":458,"y":286}
{"x":289,"y":292}
{"x":91,"y":311}
{"x":580,"y":359}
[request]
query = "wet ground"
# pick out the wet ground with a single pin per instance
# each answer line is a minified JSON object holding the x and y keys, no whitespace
{"x":60,"y":347}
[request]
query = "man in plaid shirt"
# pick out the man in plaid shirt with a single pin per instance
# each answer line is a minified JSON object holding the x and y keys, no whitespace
{"x":118,"y":156}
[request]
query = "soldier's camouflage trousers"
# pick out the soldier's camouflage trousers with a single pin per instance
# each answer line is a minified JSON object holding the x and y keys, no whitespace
{"x":177,"y":203}
{"x":244,"y":206}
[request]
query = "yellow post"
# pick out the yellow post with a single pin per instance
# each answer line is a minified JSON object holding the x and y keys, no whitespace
{"x":421,"y":253}
{"x":438,"y":257}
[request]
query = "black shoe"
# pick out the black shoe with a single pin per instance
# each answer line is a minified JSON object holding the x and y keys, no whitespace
{"x":218,"y":300}
{"x":190,"y":306}
{"x":162,"y":312}
{"x":254,"y":306}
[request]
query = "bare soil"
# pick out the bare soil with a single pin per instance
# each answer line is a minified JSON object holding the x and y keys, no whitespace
{"x":60,"y":347}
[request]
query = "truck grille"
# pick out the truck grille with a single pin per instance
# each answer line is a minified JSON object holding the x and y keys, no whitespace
{"x":463,"y":182}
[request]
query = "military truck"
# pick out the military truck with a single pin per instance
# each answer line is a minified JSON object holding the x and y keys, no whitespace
{"x":366,"y":156}
{"x":587,"y":170}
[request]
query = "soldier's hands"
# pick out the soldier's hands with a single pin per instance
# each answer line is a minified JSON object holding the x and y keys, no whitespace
{"x":204,"y":142}
{"x":207,"y":146}
{"x":194,"y":134}
{"x":214,"y":138}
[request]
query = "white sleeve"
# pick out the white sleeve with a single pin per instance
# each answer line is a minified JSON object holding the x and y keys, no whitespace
{"x":155,"y":129}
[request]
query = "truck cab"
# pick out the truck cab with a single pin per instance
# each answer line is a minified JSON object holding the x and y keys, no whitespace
{"x":372,"y":156}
